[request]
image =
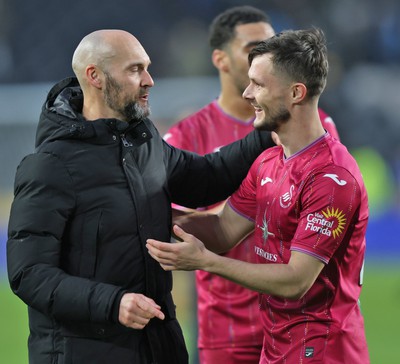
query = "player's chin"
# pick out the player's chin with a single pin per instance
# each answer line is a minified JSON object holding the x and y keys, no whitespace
{"x":261,"y":124}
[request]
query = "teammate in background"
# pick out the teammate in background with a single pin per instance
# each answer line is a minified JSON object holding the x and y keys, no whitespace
{"x":229,"y":327}
{"x":307,"y":204}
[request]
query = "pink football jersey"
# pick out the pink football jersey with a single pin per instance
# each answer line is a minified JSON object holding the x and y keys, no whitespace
{"x":228,"y":314}
{"x":314,"y":202}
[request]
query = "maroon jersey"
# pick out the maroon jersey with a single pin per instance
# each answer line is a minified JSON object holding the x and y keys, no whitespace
{"x":314,"y":202}
{"x":228,"y":314}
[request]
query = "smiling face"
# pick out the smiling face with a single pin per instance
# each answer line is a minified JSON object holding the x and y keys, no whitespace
{"x":268,"y":92}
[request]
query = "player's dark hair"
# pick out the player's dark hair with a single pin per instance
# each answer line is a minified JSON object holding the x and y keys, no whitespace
{"x":222,"y":29}
{"x":300,"y":54}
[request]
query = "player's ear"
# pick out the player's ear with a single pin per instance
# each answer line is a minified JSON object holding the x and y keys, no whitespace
{"x":220,"y":60}
{"x":94,"y":76}
{"x":299,"y":92}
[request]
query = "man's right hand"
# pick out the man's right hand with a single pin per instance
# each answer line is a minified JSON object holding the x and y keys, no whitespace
{"x":136,"y":310}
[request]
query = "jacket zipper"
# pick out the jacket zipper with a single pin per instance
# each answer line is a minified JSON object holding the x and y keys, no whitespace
{"x":124,"y":141}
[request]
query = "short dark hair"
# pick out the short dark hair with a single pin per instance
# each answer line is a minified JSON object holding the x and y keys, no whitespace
{"x":222,"y":28}
{"x":300,"y":54}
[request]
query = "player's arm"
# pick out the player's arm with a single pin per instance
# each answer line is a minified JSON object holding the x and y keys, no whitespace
{"x":197,"y":181}
{"x":220,"y":229}
{"x":290,"y":280}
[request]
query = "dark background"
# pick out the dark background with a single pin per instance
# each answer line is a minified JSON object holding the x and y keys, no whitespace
{"x":38,"y":37}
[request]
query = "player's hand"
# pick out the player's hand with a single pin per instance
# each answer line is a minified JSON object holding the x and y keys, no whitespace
{"x":180,"y":216}
{"x":188,"y":254}
{"x":136,"y":310}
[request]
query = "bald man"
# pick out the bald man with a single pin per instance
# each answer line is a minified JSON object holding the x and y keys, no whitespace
{"x":100,"y":183}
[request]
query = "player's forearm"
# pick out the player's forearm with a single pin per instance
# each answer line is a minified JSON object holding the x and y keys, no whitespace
{"x":206,"y":227}
{"x":220,"y":229}
{"x":276,"y":279}
{"x":290,"y":280}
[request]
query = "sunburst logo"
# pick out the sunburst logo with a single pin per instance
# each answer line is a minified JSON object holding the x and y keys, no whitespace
{"x":339,"y":216}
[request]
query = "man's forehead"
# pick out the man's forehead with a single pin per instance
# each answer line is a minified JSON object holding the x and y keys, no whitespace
{"x":262,"y":60}
{"x":260,"y":65}
{"x":133,"y":52}
{"x":253,"y":32}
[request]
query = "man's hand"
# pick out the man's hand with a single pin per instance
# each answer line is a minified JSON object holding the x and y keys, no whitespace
{"x":136,"y":310}
{"x":189,"y":254}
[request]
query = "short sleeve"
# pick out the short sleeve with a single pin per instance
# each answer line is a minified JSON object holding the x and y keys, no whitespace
{"x":329,"y":202}
{"x":243,"y":200}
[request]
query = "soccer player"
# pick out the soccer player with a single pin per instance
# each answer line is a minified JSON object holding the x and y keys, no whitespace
{"x":307,"y":204}
{"x":229,"y":327}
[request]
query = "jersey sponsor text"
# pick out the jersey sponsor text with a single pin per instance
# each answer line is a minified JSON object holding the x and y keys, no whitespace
{"x":268,"y":256}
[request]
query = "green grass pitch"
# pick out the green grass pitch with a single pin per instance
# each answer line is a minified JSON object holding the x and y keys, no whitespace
{"x":379,"y":303}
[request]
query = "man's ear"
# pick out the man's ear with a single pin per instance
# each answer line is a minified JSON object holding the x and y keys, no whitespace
{"x":220,"y":60}
{"x":299,"y":92}
{"x":93,"y":76}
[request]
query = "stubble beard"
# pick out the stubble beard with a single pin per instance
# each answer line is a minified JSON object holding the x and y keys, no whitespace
{"x":273,"y":121}
{"x":131,"y":110}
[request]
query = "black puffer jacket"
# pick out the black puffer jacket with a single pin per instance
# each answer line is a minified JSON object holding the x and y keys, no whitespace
{"x":85,"y":203}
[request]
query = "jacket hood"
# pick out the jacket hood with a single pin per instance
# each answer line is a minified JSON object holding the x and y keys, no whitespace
{"x":61,"y":116}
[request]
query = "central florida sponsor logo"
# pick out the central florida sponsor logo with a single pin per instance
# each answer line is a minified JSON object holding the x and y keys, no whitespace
{"x":330,"y":222}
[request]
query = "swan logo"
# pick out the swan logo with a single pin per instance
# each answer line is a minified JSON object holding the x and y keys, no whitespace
{"x":286,"y":199}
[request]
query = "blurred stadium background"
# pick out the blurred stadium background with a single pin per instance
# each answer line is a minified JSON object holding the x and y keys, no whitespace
{"x":37,"y":39}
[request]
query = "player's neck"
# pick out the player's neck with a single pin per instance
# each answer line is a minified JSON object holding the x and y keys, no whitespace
{"x":236,"y":106}
{"x":300,"y":132}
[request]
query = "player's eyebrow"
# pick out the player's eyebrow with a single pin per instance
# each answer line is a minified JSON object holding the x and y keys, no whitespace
{"x":253,"y":43}
{"x":139,"y":64}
